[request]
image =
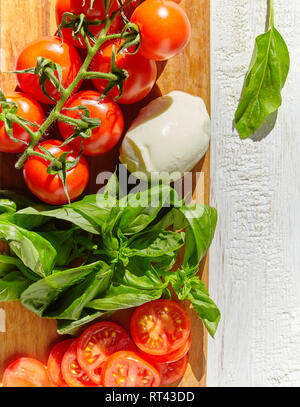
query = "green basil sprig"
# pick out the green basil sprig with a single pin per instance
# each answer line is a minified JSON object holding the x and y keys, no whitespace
{"x":266,"y":77}
{"x":126,"y":249}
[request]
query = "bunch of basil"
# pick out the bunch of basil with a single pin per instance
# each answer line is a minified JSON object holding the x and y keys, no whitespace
{"x":127,"y":249}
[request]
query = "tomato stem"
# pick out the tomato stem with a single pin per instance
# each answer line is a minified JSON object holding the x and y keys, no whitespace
{"x":66,"y":93}
{"x":14,"y":118}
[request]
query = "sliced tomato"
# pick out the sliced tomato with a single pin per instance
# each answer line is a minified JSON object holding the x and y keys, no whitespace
{"x":173,"y":371}
{"x":160,"y":327}
{"x":129,"y":369}
{"x":25,"y":372}
{"x":97,"y":343}
{"x":72,"y":372}
{"x":54,"y":363}
{"x":171,"y":357}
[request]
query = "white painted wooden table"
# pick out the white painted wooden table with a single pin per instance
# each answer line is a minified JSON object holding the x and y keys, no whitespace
{"x":255,"y":257}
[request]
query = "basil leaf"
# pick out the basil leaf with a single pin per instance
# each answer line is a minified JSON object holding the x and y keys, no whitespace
{"x":122,"y":296}
{"x":142,"y":208}
{"x":154,"y":244}
{"x":202,"y":222}
{"x":266,"y":77}
{"x":40,"y":295}
{"x":35,"y":252}
{"x":189,"y":287}
{"x":12,"y":285}
{"x":138,"y":273}
{"x":66,"y":326}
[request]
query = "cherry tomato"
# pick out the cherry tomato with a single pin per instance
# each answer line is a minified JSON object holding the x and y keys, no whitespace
{"x":170,"y":357}
{"x":72,"y":372}
{"x":142,"y":73}
{"x":165,"y":29}
{"x":25,"y":372}
{"x":160,"y":326}
{"x":103,"y":138}
{"x":62,"y":53}
{"x":54,"y":363}
{"x":78,"y":7}
{"x":28,"y":109}
{"x":128,"y":369}
{"x":49,"y":188}
{"x":171,"y":372}
{"x":97,"y":343}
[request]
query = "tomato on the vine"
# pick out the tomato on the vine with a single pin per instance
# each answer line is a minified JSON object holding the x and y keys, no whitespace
{"x":54,"y":363}
{"x":49,"y":187}
{"x":142,"y":72}
{"x":104,"y":137}
{"x":171,"y":372}
{"x":28,"y":109}
{"x":97,"y":343}
{"x":129,"y":369}
{"x":164,"y":26}
{"x":72,"y":372}
{"x":97,"y":12}
{"x":25,"y":372}
{"x":52,"y":48}
{"x":159,"y":327}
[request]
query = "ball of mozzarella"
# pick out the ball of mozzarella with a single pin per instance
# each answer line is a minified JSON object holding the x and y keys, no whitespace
{"x":168,"y":138}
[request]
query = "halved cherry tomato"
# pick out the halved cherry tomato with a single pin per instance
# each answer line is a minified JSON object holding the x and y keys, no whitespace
{"x":159,"y":327}
{"x":54,"y":363}
{"x":164,"y":26}
{"x":25,"y":372}
{"x":49,"y":188}
{"x":52,"y":48}
{"x":97,"y":343}
{"x":128,"y":369}
{"x":170,"y":357}
{"x":97,"y":12}
{"x":171,"y":372}
{"x":29,"y":109}
{"x":72,"y":372}
{"x":142,"y":73}
{"x":104,"y":137}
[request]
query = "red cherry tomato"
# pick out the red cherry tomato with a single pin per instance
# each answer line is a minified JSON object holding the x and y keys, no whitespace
{"x":165,"y":29}
{"x":128,"y":369}
{"x":170,"y":357}
{"x":171,"y":372}
{"x":142,"y":73}
{"x":49,"y":188}
{"x":72,"y":372}
{"x":160,"y":327}
{"x":78,"y":7}
{"x":25,"y":372}
{"x":97,"y":343}
{"x":54,"y":363}
{"x":28,"y":109}
{"x":62,"y":53}
{"x":103,"y":138}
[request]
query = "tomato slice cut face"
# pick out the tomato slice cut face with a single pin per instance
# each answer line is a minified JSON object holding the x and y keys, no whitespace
{"x":128,"y":369}
{"x":173,"y":371}
{"x":25,"y":372}
{"x":97,"y":343}
{"x":172,"y":356}
{"x":72,"y":372}
{"x":54,"y":363}
{"x":160,"y":327}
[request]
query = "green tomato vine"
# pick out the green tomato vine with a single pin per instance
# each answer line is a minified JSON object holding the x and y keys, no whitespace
{"x":46,"y":70}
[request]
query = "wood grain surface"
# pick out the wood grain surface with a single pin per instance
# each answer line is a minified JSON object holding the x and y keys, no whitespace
{"x":22,"y":21}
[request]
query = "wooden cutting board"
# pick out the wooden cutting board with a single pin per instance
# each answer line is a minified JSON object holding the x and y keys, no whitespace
{"x":23,"y":21}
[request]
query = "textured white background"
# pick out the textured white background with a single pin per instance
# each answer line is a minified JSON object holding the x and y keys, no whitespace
{"x":255,"y":257}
